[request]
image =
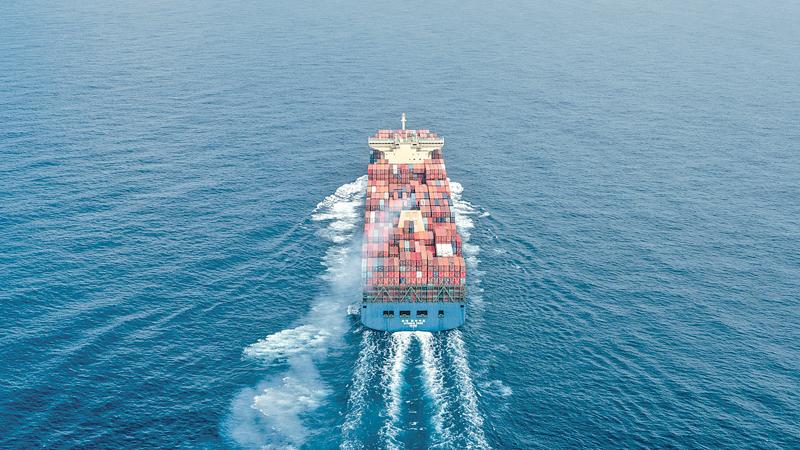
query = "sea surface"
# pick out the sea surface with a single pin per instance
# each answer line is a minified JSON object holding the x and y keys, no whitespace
{"x":181,"y":197}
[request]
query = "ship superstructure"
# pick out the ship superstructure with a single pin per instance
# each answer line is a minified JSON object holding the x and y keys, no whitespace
{"x":414,"y":276}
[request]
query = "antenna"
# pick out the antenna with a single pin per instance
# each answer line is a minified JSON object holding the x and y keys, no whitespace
{"x":403,"y":121}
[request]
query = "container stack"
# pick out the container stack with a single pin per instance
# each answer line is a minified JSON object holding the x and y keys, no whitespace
{"x":411,"y":249}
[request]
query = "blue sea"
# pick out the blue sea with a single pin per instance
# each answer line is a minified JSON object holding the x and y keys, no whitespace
{"x":181,"y":200}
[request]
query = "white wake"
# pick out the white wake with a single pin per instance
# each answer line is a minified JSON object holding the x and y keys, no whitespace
{"x":359,"y":390}
{"x":468,"y":398}
{"x":270,"y":415}
{"x":433,"y":376}
{"x":464,"y":213}
{"x":393,"y":384}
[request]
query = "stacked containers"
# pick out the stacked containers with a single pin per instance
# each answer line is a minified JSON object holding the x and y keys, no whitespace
{"x":414,"y":260}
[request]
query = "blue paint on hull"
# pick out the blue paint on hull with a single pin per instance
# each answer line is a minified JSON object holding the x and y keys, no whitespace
{"x":440,"y":316}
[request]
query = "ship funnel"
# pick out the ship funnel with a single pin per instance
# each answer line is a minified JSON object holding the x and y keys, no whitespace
{"x":403,"y":120}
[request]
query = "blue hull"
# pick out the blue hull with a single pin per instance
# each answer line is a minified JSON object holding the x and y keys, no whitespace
{"x":417,"y":316}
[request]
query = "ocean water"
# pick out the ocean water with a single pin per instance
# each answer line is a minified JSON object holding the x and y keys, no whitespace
{"x":181,"y":186}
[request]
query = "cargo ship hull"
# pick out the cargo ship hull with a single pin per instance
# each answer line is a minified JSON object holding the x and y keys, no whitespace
{"x":408,"y":316}
{"x":413,"y":270}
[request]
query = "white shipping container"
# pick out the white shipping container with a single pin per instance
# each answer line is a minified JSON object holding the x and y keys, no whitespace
{"x":444,"y":250}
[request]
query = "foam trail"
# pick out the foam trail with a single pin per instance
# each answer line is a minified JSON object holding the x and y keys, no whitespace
{"x":282,"y":402}
{"x":393,"y":381}
{"x":286,"y":343}
{"x":434,"y":385}
{"x":270,"y":415}
{"x":342,"y":209}
{"x":359,"y":387}
{"x":468,"y":398}
{"x":464,"y":211}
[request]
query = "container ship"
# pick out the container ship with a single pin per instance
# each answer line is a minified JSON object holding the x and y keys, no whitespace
{"x":413,"y":271}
